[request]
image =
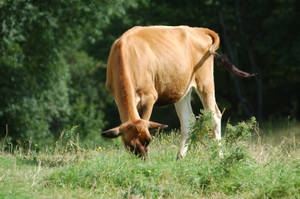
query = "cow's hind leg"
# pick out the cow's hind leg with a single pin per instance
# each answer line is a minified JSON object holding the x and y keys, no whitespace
{"x":208,"y":101}
{"x":186,"y":117}
{"x":207,"y":96}
{"x":206,"y":91}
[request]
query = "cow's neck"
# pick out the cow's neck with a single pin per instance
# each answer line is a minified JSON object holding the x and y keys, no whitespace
{"x":126,"y":93}
{"x":127,"y":107}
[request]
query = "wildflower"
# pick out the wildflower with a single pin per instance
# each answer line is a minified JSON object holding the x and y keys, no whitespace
{"x":169,"y":138}
{"x":207,"y":129}
{"x":149,"y":171}
{"x":289,"y":155}
{"x":99,"y":148}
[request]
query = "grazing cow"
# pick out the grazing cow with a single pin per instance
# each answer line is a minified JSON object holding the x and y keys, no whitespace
{"x":159,"y":65}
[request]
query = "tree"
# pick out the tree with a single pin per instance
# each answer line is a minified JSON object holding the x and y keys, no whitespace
{"x":38,"y":64}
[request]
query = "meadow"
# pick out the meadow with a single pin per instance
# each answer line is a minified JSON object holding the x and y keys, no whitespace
{"x":256,"y":162}
{"x":53,"y":57}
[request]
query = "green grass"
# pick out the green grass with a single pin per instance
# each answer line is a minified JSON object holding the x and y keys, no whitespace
{"x":257,"y":168}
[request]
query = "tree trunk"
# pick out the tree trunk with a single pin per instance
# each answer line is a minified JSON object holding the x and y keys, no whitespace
{"x":253,"y":64}
{"x":234,"y":58}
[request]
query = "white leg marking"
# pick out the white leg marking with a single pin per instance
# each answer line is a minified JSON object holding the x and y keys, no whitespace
{"x":186,"y":116}
{"x":209,"y":103}
{"x":217,"y":130}
{"x":218,"y":126}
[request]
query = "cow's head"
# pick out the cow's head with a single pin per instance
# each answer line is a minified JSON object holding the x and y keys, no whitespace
{"x":135,"y":135}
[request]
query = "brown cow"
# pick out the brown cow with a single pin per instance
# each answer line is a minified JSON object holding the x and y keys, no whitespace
{"x":159,"y":65}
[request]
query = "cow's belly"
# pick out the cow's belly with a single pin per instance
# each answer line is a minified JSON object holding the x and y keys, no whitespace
{"x":172,"y":93}
{"x":167,"y":98}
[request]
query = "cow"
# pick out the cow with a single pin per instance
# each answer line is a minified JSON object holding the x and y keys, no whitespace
{"x":160,"y":65}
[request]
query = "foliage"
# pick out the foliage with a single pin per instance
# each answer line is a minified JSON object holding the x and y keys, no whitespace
{"x":203,"y":126}
{"x":240,"y":132}
{"x":40,"y":94}
{"x":233,"y":147}
{"x":87,"y":95}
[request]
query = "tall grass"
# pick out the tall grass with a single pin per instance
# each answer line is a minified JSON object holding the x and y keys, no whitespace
{"x":249,"y":167}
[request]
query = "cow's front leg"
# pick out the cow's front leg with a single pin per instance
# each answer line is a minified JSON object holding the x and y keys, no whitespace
{"x":186,"y":117}
{"x":145,"y":105}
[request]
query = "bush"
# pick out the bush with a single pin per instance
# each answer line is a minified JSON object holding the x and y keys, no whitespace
{"x":226,"y":154}
{"x":88,"y":96}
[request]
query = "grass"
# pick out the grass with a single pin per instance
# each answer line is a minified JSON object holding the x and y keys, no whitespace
{"x":256,"y":167}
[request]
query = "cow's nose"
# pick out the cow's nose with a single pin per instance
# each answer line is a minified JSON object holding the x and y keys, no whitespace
{"x":134,"y":149}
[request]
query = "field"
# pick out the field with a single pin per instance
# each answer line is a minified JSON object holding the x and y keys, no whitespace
{"x":265,"y":165}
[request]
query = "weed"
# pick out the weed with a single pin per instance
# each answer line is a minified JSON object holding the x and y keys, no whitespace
{"x":202,"y":127}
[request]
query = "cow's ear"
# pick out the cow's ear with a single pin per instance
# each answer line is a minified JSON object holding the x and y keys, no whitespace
{"x":111,"y":133}
{"x":154,"y":125}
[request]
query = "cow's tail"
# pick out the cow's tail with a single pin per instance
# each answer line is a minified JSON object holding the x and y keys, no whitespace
{"x":224,"y":61}
{"x":230,"y":67}
{"x":215,"y":40}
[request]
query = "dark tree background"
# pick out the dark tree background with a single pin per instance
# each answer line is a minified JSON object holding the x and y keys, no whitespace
{"x":53,"y":57}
